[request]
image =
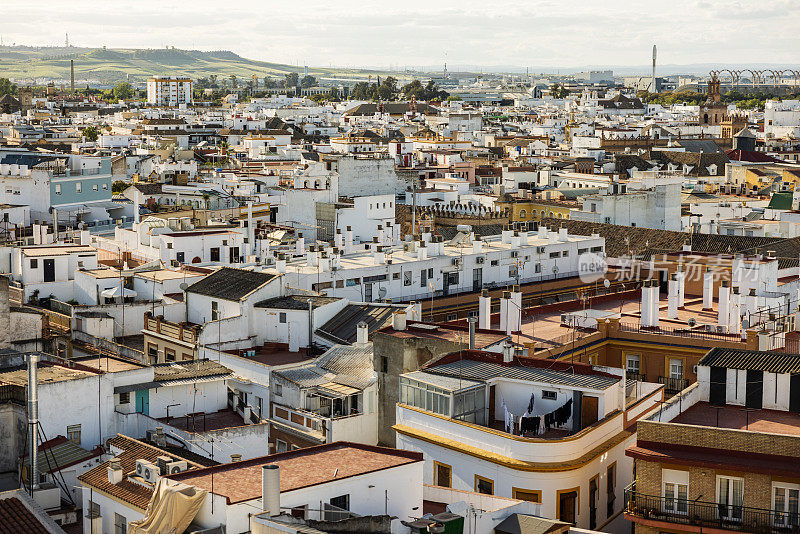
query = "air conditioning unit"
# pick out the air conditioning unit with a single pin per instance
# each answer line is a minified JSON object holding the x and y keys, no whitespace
{"x":456,"y":261}
{"x":694,"y":369}
{"x":479,"y":260}
{"x":176,"y":467}
{"x":540,"y":250}
{"x":514,"y":253}
{"x":147,"y":471}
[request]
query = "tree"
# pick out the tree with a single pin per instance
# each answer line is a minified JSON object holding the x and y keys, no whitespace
{"x":333,"y":94}
{"x":122,"y":91}
{"x":7,"y":88}
{"x":388,"y":89}
{"x":291,"y":80}
{"x":118,"y":186}
{"x":91,"y":133}
{"x":270,"y":83}
{"x":234,"y":82}
{"x":413,"y":89}
{"x":558,"y":91}
{"x":308,"y":81}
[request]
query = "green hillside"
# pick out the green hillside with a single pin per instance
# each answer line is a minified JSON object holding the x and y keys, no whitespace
{"x":112,"y":65}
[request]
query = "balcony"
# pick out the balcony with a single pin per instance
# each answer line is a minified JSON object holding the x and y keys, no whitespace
{"x":653,"y":510}
{"x":673,"y":385}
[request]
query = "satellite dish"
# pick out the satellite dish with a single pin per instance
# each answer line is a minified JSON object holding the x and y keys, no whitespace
{"x":382,"y":293}
{"x":183,"y":286}
{"x":606,"y":283}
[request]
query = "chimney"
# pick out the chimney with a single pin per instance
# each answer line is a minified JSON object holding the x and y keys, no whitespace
{"x":724,"y":301}
{"x":362,"y":334}
{"x":562,"y":233}
{"x":735,"y":317}
{"x":645,"y":304}
{"x":505,"y":301}
{"x":399,"y":321}
{"x":515,"y":311}
{"x":655,"y":295}
{"x":506,"y":235}
{"x":251,"y":231}
{"x":484,"y":310}
{"x":280,"y":264}
{"x":300,"y":244}
{"x":159,"y":438}
{"x":114,"y":471}
{"x":471,"y":321}
{"x":672,"y":296}
{"x":543,"y":232}
{"x":348,"y":241}
{"x":681,"y":288}
{"x":752,"y":301}
{"x":508,"y":352}
{"x":422,"y":251}
{"x":271,"y":489}
{"x":477,"y":245}
{"x":338,"y":239}
{"x":378,"y":256}
{"x":33,"y":418}
{"x":708,"y":289}
{"x":381,"y":235}
{"x":515,"y":240}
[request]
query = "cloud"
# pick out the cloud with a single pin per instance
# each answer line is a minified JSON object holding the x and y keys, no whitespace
{"x":418,"y":32}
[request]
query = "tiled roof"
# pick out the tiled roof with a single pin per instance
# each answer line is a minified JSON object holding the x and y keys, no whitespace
{"x":126,"y":491}
{"x":754,"y":360}
{"x":296,"y":302}
{"x":164,"y":372}
{"x":780,"y":201}
{"x":342,"y":327}
{"x":301,"y":468}
{"x":19,"y":513}
{"x":392,"y":108}
{"x":58,"y":453}
{"x":230,"y":284}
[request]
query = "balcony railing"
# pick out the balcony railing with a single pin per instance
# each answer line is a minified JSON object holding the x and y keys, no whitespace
{"x":673,"y":385}
{"x":708,"y":514}
{"x":680,"y":332}
{"x":633,"y":375}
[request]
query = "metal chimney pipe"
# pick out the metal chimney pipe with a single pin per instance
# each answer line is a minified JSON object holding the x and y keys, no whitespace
{"x":271,"y":489}
{"x":471,"y":321}
{"x":33,"y":419}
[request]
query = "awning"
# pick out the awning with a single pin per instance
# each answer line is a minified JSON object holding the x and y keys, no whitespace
{"x":190,"y":381}
{"x":337,"y":390}
{"x":117,"y":292}
{"x":136,"y":387}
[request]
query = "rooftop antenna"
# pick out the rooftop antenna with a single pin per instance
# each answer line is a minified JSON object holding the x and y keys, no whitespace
{"x":653,"y":79}
{"x":66,"y":41}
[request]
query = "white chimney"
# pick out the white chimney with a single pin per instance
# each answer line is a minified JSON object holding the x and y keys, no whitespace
{"x":300,"y":244}
{"x":251,"y":233}
{"x":723,"y":305}
{"x":114,"y":471}
{"x":505,"y":301}
{"x":422,"y":251}
{"x":515,"y":311}
{"x":426,"y":236}
{"x":672,"y":296}
{"x":484,"y":310}
{"x":735,"y":316}
{"x":362,"y":333}
{"x":399,"y":320}
{"x":645,"y":305}
{"x":752,"y":301}
{"x":508,"y":352}
{"x":348,"y":241}
{"x":506,"y":235}
{"x":381,"y":235}
{"x":271,"y":489}
{"x":552,"y":238}
{"x":378,"y":256}
{"x":655,"y":303}
{"x":280,"y":263}
{"x":708,"y":289}
{"x":338,"y":239}
{"x":681,"y":288}
{"x":562,"y":234}
{"x":515,"y":240}
{"x":477,"y":245}
{"x":543,"y":232}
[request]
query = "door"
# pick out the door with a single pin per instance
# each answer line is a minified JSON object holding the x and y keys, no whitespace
{"x":368,"y":292}
{"x":754,"y":392}
{"x":143,"y":401}
{"x":233,"y":254}
{"x":566,"y":506}
{"x":794,"y":393}
{"x":49,"y":270}
{"x":477,"y":279}
{"x":719,"y":379}
{"x":589,"y":407}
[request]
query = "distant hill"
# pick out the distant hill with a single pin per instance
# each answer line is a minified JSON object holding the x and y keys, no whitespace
{"x":111,"y":65}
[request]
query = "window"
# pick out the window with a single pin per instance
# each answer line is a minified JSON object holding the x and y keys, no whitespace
{"x":78,"y":187}
{"x":180,"y":257}
{"x":495,"y":263}
{"x":342,"y":502}
{"x":94,"y":187}
{"x":443,"y":475}
{"x":675,"y":498}
{"x":169,"y":355}
{"x":423,"y":278}
{"x":632,"y":363}
{"x":120,"y":524}
{"x":555,"y":254}
{"x":527,"y":495}
{"x":785,"y":503}
{"x":549,"y":395}
{"x":676,"y":368}
{"x":395,"y":276}
{"x":282,"y":317}
{"x":384,"y":364}
{"x":34,"y":264}
{"x":105,"y":187}
{"x":125,"y":398}
{"x":214,"y":310}
{"x":74,"y":434}
{"x":169,"y":246}
{"x":422,"y":395}
{"x":484,"y":485}
{"x":611,"y":487}
{"x":730,"y":497}
{"x":407,"y":278}
{"x":58,"y":189}
{"x":93,"y":511}
{"x":452,"y":316}
{"x":214,"y":254}
{"x":279,"y":390}
{"x":513,"y":271}
{"x":280,"y":446}
{"x":538,"y":268}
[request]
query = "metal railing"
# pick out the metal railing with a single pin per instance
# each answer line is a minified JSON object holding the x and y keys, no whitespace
{"x":708,"y":514}
{"x":673,"y":385}
{"x":680,"y":332}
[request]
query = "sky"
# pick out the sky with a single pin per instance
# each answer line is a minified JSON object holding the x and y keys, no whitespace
{"x":375,"y":33}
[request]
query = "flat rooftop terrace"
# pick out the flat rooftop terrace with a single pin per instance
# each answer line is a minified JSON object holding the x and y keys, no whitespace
{"x":741,"y":418}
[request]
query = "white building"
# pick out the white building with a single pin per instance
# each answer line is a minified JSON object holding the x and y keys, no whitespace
{"x":549,"y":432}
{"x":169,"y":91}
{"x":782,"y":119}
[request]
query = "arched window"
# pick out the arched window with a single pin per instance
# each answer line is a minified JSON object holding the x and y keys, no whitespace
{"x":559,"y":215}
{"x":705,"y":118}
{"x":522,"y":214}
